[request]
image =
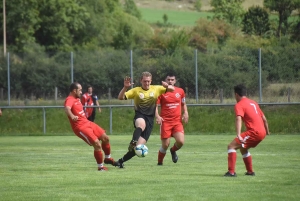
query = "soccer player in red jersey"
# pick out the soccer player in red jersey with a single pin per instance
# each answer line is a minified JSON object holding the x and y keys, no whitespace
{"x":170,"y":119}
{"x":88,"y":131}
{"x":257,"y":128}
{"x":90,"y":99}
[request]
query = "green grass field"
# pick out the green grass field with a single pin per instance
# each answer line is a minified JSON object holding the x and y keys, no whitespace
{"x":180,"y":18}
{"x":63,"y":168}
{"x":184,"y":18}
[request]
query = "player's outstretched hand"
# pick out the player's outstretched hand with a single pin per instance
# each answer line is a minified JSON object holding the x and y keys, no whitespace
{"x":164,"y":84}
{"x":127,"y":82}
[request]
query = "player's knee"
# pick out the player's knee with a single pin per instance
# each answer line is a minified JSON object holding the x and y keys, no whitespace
{"x":104,"y":138}
{"x":180,"y":143}
{"x":165,"y":146}
{"x":97,"y":145}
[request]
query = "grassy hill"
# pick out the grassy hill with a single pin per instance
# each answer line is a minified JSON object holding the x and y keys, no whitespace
{"x":180,"y":13}
{"x":184,"y":5}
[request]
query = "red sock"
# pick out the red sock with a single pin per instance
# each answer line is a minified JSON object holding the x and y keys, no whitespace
{"x":248,"y":163}
{"x":174,"y":148}
{"x":98,"y":156}
{"x":161,"y":157}
{"x":106,"y":148}
{"x":231,"y":161}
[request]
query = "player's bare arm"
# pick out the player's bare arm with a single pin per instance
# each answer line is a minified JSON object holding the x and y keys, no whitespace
{"x":70,"y":114}
{"x":238,"y":128}
{"x":185,"y":115}
{"x":158,"y":118}
{"x":167,"y":86}
{"x":266,"y":125}
{"x":97,"y":103}
{"x":127,"y":84}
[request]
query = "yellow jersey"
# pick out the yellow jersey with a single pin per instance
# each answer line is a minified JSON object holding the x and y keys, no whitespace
{"x":145,"y":100}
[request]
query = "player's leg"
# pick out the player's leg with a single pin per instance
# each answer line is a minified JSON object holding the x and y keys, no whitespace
{"x":98,"y":155}
{"x":231,"y":159}
{"x":140,"y":125}
{"x":86,"y":134}
{"x":165,"y":142}
{"x":105,"y":144}
{"x":165,"y":135}
{"x":178,"y":134}
{"x":250,"y":140}
{"x":92,"y":117}
{"x":247,"y":158}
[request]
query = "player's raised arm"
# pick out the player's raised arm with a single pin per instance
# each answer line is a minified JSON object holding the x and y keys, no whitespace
{"x":127,"y":84}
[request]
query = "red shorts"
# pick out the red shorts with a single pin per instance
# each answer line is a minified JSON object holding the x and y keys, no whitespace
{"x":251,"y":139}
{"x":90,"y":132}
{"x":167,"y":129}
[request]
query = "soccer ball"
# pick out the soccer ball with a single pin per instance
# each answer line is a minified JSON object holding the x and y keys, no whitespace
{"x":141,"y":150}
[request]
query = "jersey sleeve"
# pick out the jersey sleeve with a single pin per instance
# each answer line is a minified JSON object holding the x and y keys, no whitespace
{"x":69,"y":103}
{"x":161,"y":90}
{"x":158,"y":100}
{"x":130,"y":93}
{"x":238,"y":110}
{"x":182,"y":97}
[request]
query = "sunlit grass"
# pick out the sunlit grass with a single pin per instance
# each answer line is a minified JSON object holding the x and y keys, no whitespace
{"x":63,"y":168}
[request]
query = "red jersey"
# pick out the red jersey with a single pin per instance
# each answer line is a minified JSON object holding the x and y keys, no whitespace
{"x":87,"y":100}
{"x":77,"y":110}
{"x":171,"y":103}
{"x":251,"y":114}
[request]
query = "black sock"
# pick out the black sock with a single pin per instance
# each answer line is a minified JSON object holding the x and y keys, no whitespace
{"x":127,"y":156}
{"x":137,"y":133}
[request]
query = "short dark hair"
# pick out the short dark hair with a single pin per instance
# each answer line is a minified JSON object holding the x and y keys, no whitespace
{"x":240,"y":89}
{"x":73,"y":86}
{"x":89,"y":86}
{"x":171,"y":74}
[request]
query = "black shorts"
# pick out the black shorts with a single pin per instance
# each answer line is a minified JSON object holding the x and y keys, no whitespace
{"x":149,"y":124}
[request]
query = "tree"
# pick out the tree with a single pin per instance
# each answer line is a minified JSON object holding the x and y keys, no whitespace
{"x":256,"y":21}
{"x":131,"y":9}
{"x":198,"y":5}
{"x":284,"y":9}
{"x":22,"y":20}
{"x":61,"y":21}
{"x":124,"y":38}
{"x":228,"y":10}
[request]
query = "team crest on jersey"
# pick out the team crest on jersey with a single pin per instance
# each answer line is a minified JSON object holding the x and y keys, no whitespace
{"x":142,"y":96}
{"x":151,"y":94}
{"x":177,"y":95}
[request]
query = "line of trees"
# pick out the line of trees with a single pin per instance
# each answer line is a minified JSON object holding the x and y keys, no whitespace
{"x":38,"y":74}
{"x":42,"y":33}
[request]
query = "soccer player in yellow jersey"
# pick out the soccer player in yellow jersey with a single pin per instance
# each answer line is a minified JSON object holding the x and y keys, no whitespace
{"x":144,"y":105}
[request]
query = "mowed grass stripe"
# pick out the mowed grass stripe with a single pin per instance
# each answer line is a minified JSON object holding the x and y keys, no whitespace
{"x":63,"y":168}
